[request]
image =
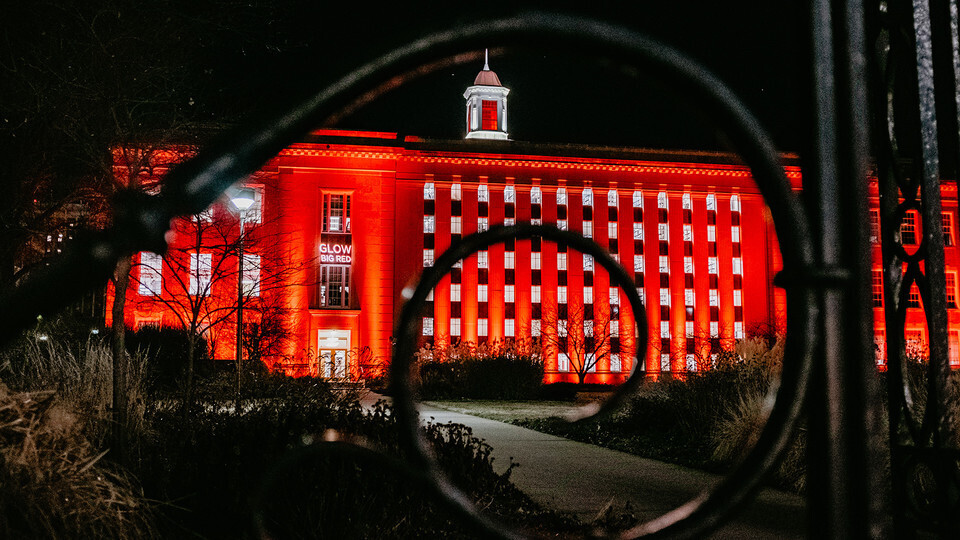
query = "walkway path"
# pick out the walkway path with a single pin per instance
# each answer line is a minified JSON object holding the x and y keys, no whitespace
{"x":582,"y":479}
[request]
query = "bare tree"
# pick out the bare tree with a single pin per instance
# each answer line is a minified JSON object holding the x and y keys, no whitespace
{"x":198,"y":281}
{"x":580,"y":331}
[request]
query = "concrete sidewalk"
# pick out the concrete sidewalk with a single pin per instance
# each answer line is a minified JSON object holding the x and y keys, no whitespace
{"x":582,"y":479}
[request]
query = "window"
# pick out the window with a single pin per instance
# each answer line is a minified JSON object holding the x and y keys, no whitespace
{"x":429,"y":223}
{"x":735,"y":234}
{"x":687,"y":203}
{"x":638,"y":231}
{"x":638,"y":263}
{"x":874,"y":226}
{"x":876,"y":289}
{"x":614,"y":297}
{"x":334,"y":286}
{"x":614,"y":328}
{"x":612,"y":198}
{"x":488,"y":115}
{"x":663,"y":232}
{"x":562,"y":224}
{"x":612,"y":230}
{"x":483,"y":259}
{"x":536,"y":197}
{"x":587,"y":263}
{"x":456,"y":225}
{"x":688,"y":297}
{"x":908,"y":228}
{"x":734,"y":203}
{"x":561,"y":261}
{"x":509,"y":194}
{"x":712,"y":265}
{"x":509,"y":328}
{"x":737,"y":297}
{"x":509,"y":259}
{"x":638,"y":199}
{"x":428,"y":326}
{"x":714,"y":329}
{"x":535,"y":261}
{"x":562,"y":294}
{"x":688,"y":330}
{"x":481,"y":293}
{"x":429,"y":192}
{"x":691,"y":362}
{"x":737,"y":266}
{"x":738,"y":330}
{"x":251,"y":275}
{"x":151,"y":274}
{"x":946,"y":219}
{"x":711,"y":202}
{"x":587,"y":328}
{"x":711,"y":233}
{"x":587,"y":197}
{"x":456,"y":192}
{"x":664,"y":329}
{"x":427,"y":258}
{"x":483,"y":193}
{"x":561,"y":196}
{"x":483,"y":224}
{"x":535,"y":327}
{"x":664,"y":297}
{"x":535,"y":294}
{"x":563,"y":362}
{"x":615,"y":363}
{"x":951,"y":289}
{"x":688,"y":265}
{"x":588,"y":229}
{"x":508,"y":293}
{"x":336,"y":212}
{"x":714,"y":297}
{"x":201,"y":267}
{"x":588,"y":295}
{"x":483,"y":327}
{"x":662,"y":200}
{"x":455,"y":327}
{"x":688,"y":233}
{"x":562,"y":327}
{"x":664,"y":362}
{"x":454,"y":292}
{"x":664,"y":264}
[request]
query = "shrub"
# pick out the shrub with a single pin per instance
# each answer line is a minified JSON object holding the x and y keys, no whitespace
{"x":503,"y":369}
{"x":166,"y":349}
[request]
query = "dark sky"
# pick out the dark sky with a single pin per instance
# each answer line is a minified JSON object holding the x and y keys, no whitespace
{"x":556,"y":94}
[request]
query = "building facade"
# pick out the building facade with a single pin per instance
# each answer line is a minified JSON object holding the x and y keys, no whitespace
{"x":345,"y":221}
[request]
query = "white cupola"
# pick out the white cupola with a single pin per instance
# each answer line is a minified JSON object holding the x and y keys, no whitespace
{"x":487,"y":105}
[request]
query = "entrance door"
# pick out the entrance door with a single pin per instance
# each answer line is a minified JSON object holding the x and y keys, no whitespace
{"x":332,"y":348}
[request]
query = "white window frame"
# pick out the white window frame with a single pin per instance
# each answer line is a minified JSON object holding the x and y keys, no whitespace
{"x":711,"y":233}
{"x":714,"y":329}
{"x":251,"y":275}
{"x":428,"y":326}
{"x":483,"y":293}
{"x":562,"y":294}
{"x":612,"y":197}
{"x":429,"y":191}
{"x":612,"y":230}
{"x":588,"y":229}
{"x":456,"y":192}
{"x":688,"y":233}
{"x":586,"y":196}
{"x":535,"y":327}
{"x":456,"y":225}
{"x":535,"y":261}
{"x":711,"y":202}
{"x":536,"y":196}
{"x":734,"y":203}
{"x":638,"y":199}
{"x":664,"y":264}
{"x":427,"y":258}
{"x":483,"y":224}
{"x":509,"y":327}
{"x":561,"y":196}
{"x":151,"y":274}
{"x":737,"y":297}
{"x":712,"y":265}
{"x":483,"y":193}
{"x":615,"y":366}
{"x":662,"y":201}
{"x":563,"y":362}
{"x":686,"y":203}
{"x":483,"y":327}
{"x":737,"y":266}
{"x":588,"y":295}
{"x":483,"y":259}
{"x":664,"y":297}
{"x":535,"y":294}
{"x":509,"y":195}
{"x":587,"y":263}
{"x":455,"y":326}
{"x":664,"y":329}
{"x":201,"y":273}
{"x":638,"y":230}
{"x":429,"y":224}
{"x":663,"y":232}
{"x":638,"y":264}
{"x":509,"y":293}
{"x":714,"y":298}
{"x":509,"y":259}
{"x":454,"y":292}
{"x":561,"y":261}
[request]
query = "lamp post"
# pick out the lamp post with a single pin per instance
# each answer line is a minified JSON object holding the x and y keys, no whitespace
{"x":242,"y":200}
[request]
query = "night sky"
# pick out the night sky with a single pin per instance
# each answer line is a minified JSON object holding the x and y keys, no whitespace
{"x":557,"y":95}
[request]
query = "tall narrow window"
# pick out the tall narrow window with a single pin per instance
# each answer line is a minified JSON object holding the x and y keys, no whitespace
{"x":251,"y":275}
{"x":908,"y":228}
{"x":877,"y":288}
{"x":336,"y":213}
{"x":947,"y":220}
{"x":489,"y":115}
{"x":151,"y":274}
{"x":201,"y":267}
{"x":951,"y":290}
{"x":334,"y":286}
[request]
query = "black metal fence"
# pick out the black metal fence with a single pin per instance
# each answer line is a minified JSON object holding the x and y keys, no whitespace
{"x":859,"y":57}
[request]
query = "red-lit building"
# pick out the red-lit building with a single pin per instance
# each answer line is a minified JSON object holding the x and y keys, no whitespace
{"x":355,"y":216}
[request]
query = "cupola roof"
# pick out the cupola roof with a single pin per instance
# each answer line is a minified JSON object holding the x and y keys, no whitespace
{"x":486,"y":77}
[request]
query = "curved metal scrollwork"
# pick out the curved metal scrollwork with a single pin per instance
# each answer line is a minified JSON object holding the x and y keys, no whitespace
{"x":925,"y":459}
{"x":191,"y":187}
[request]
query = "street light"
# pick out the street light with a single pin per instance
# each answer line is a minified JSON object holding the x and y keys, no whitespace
{"x":242,"y":200}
